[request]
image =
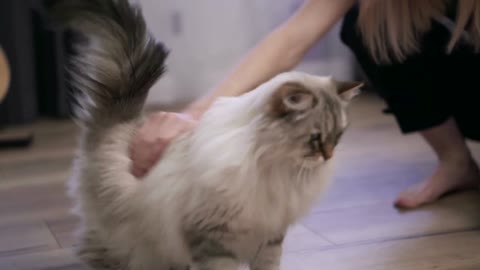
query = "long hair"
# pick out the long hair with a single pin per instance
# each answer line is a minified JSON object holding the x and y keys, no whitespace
{"x":391,"y":29}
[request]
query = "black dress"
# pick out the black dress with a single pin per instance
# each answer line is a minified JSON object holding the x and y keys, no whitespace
{"x":428,"y":87}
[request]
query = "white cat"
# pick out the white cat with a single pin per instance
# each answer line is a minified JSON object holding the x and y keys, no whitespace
{"x":223,"y":194}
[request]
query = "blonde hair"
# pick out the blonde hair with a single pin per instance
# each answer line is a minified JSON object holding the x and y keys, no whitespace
{"x":391,"y":29}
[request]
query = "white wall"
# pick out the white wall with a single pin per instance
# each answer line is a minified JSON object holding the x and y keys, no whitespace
{"x":207,"y":38}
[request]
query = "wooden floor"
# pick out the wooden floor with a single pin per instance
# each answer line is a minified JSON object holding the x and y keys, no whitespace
{"x":355,"y":227}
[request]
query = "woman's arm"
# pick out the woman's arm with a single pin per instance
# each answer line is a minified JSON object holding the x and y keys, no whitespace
{"x":280,"y":51}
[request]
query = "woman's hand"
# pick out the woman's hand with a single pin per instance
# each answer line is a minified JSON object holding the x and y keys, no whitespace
{"x":154,"y":136}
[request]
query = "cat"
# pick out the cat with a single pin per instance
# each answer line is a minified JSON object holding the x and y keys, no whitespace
{"x":225,"y":193}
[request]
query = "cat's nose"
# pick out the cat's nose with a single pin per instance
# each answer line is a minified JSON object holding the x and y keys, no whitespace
{"x":320,"y":149}
{"x":327,"y":151}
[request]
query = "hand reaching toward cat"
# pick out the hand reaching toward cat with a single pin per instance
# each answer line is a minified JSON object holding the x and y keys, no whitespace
{"x":153,"y":138}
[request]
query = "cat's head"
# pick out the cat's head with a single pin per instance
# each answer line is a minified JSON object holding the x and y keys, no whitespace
{"x":303,"y":117}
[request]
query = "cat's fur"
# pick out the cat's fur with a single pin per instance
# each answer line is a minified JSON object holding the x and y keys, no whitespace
{"x":224,"y":193}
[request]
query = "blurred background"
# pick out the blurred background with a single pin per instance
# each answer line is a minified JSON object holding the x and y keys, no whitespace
{"x":206,"y":39}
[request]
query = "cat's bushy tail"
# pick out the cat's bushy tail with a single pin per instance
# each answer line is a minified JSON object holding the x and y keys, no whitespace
{"x":115,"y":62}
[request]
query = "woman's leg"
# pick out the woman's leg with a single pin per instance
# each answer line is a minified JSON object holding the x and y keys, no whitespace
{"x":425,"y":92}
{"x":456,"y":168}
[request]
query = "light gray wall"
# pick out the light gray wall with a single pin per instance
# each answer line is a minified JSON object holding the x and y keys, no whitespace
{"x":207,"y":38}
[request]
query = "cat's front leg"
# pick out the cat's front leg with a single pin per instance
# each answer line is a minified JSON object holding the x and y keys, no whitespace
{"x":218,"y":263}
{"x":212,"y":254}
{"x":268,"y":258}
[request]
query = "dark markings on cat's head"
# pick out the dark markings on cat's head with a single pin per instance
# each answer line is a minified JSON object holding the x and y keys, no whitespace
{"x":291,"y":98}
{"x":307,"y":116}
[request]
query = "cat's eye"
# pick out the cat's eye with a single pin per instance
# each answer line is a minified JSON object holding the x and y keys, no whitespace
{"x":299,"y":100}
{"x":295,"y":98}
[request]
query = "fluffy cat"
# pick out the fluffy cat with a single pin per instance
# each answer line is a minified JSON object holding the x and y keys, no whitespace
{"x":225,"y":193}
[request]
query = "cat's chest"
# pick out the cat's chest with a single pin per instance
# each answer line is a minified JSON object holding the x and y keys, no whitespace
{"x":242,"y":223}
{"x":260,"y":222}
{"x":241,"y":236}
{"x":245,"y":244}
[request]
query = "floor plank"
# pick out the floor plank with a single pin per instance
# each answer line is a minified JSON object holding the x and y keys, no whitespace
{"x":457,"y":251}
{"x":382,"y":221}
{"x":34,"y":202}
{"x":60,"y":259}
{"x":299,"y":239}
{"x":19,"y":238}
{"x":64,"y":228}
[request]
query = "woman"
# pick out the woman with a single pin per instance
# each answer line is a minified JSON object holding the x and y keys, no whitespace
{"x":415,"y":53}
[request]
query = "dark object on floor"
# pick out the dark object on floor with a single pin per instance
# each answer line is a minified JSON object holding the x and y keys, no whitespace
{"x":15,"y":139}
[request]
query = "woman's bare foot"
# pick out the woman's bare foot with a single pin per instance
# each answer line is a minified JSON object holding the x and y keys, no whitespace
{"x":456,"y":168}
{"x":451,"y":175}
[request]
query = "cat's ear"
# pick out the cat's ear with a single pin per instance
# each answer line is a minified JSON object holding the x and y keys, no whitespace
{"x":347,"y":90}
{"x":292,"y":97}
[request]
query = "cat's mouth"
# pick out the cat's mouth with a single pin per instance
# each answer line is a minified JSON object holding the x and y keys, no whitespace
{"x":318,"y":149}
